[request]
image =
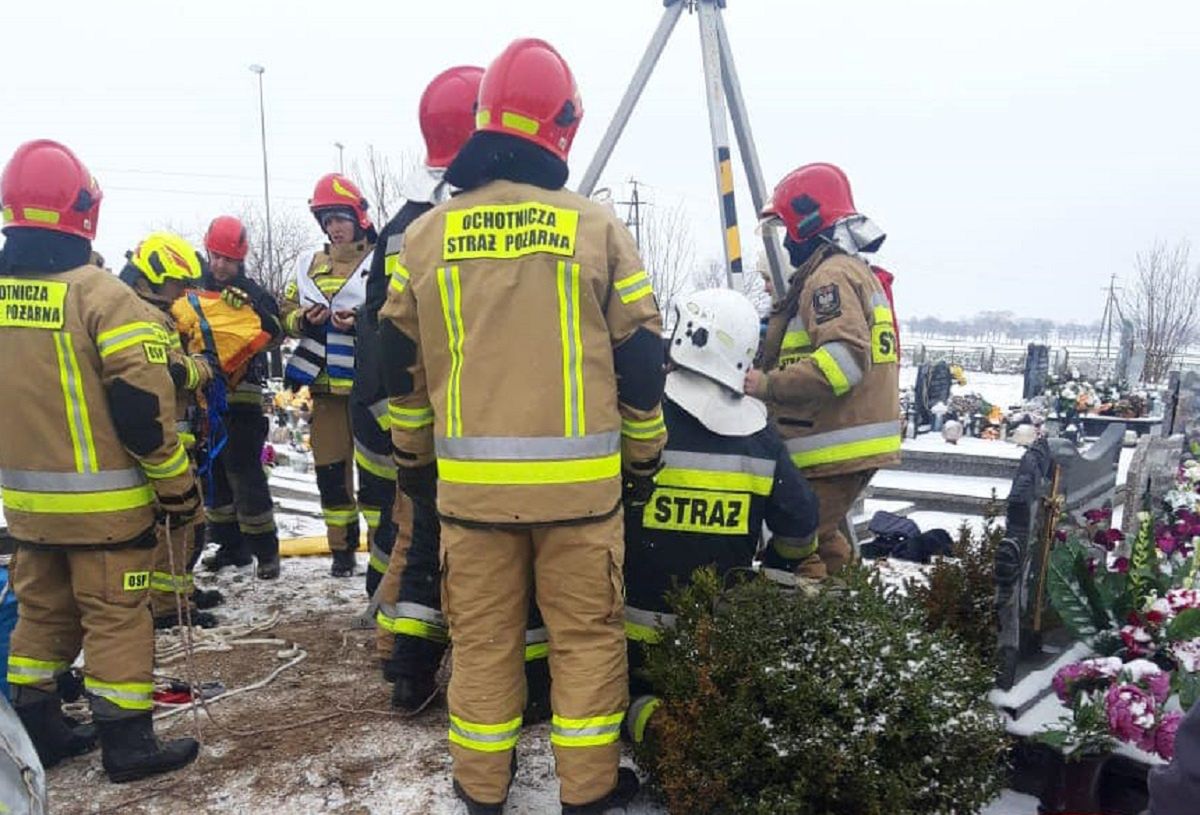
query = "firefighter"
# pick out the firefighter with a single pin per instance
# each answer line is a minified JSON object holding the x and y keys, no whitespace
{"x":159,"y":270}
{"x":829,"y":371}
{"x":88,"y":457}
{"x":725,"y":472}
{"x":242,"y":517}
{"x":523,"y":346}
{"x":320,"y":308}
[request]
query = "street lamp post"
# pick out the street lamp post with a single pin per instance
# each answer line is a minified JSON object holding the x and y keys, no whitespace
{"x":262,"y":120}
{"x":340,"y":147}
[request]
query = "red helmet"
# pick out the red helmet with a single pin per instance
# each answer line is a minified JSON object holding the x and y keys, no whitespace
{"x":529,"y":92}
{"x":447,"y":113}
{"x":227,"y":237}
{"x":810,"y":199}
{"x":46,"y":186}
{"x":335,"y":191}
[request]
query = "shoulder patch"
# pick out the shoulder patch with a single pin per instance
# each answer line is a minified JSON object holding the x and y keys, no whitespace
{"x":827,"y":302}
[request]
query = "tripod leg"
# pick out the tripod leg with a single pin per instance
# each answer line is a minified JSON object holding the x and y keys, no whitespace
{"x":649,"y":59}
{"x":745,"y":139}
{"x":711,"y":49}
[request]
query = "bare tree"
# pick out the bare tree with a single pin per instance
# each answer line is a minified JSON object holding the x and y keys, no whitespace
{"x":1161,"y":302}
{"x":291,"y":234}
{"x":380,"y":179}
{"x":669,"y":253}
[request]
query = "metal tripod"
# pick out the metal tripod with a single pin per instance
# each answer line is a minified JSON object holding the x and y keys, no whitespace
{"x":721,"y":88}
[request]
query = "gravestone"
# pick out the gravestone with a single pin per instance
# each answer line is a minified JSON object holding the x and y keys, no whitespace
{"x":1184,"y":410}
{"x":937,"y":386}
{"x":1085,"y":480}
{"x":1037,"y":369}
{"x":1124,"y":353}
{"x":1152,"y":468}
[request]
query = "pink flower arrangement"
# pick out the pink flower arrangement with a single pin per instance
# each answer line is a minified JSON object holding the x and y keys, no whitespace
{"x":1137,"y":640}
{"x":1131,"y":715}
{"x":1164,"y":738}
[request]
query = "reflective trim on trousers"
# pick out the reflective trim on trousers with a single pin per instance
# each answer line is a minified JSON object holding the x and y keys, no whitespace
{"x":379,"y":412}
{"x":377,"y":559}
{"x":375,"y":464}
{"x":537,"y":643}
{"x":47,"y":481}
{"x":30,"y":671}
{"x":167,"y":582}
{"x":258,"y":524}
{"x":847,"y":444}
{"x":340,"y":516}
{"x":410,"y":627}
{"x":640,"y":712}
{"x":646,"y":626}
{"x":126,"y":695}
{"x":485,"y":738}
{"x":594,"y":731}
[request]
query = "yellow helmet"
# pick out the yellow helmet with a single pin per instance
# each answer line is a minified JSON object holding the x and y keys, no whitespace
{"x":165,"y":256}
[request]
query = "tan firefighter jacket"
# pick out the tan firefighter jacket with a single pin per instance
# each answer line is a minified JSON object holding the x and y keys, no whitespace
{"x":833,"y":378}
{"x":338,"y":274}
{"x":537,"y":367}
{"x":89,"y":441}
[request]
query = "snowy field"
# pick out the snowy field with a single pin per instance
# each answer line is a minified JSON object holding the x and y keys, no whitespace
{"x":998,"y":389}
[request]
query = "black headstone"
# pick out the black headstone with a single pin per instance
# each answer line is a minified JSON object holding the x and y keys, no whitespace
{"x":1037,"y":369}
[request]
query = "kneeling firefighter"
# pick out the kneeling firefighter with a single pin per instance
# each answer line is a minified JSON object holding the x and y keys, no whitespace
{"x":159,"y":270}
{"x":321,"y":307}
{"x":88,"y":459}
{"x":725,"y":472}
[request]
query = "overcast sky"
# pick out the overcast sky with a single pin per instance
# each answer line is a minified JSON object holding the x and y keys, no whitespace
{"x":1017,"y":155}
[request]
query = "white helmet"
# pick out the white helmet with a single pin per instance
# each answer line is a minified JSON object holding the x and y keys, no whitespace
{"x":714,"y":342}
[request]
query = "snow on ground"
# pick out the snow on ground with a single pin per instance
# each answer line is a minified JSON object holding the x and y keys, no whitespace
{"x":998,"y":389}
{"x":942,"y":484}
{"x":950,"y":521}
{"x":934,"y":443}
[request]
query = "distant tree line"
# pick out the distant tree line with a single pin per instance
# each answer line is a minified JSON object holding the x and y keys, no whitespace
{"x":997,"y":326}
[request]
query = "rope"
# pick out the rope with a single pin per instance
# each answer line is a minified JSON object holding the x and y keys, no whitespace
{"x":183,"y":613}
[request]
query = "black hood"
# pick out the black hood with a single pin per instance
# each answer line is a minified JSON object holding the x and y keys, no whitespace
{"x":491,"y":156}
{"x":27,"y":249}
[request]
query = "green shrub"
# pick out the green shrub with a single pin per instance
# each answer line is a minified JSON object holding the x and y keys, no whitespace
{"x":833,"y":704}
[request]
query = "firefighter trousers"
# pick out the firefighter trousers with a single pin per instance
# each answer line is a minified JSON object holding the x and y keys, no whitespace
{"x":376,"y":485}
{"x":333,"y":453}
{"x":75,"y":597}
{"x":242,"y":516}
{"x":172,"y":570}
{"x":487,"y":579}
{"x":835,"y":496}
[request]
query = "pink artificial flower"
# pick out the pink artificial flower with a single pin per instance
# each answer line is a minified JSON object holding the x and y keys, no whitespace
{"x":1069,"y":679}
{"x":1060,"y":535}
{"x":1136,"y":639}
{"x":1164,"y":737}
{"x":1183,"y":599}
{"x":1167,"y":543}
{"x":1108,"y":538}
{"x":1187,"y":654}
{"x":1131,"y":715}
{"x":1159,"y":684}
{"x":1120,"y":565}
{"x":1097,"y":515}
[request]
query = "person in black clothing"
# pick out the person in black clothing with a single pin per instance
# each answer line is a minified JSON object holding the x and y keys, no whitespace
{"x":725,"y":472}
{"x":242,"y":517}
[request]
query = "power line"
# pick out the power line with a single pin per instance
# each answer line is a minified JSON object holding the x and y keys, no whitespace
{"x":634,"y":218}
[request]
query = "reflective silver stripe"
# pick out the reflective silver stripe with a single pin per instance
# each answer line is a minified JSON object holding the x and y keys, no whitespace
{"x":795,"y":324}
{"x":598,"y":730}
{"x":183,"y":426}
{"x":848,"y":435}
{"x":265,"y":517}
{"x":379,"y":410}
{"x":394,"y":244}
{"x":382,"y":462}
{"x":534,"y":448}
{"x":43,"y":481}
{"x":35,"y":673}
{"x":490,"y":738}
{"x":568,"y":292}
{"x":719,"y":462}
{"x":650,"y":619}
{"x":413,"y":611}
{"x":534,"y":636}
{"x":67,"y":359}
{"x":845,"y":360}
{"x":878,"y":298}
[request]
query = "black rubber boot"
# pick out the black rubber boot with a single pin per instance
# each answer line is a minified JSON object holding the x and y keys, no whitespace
{"x":200,"y":619}
{"x":413,"y":668}
{"x":130,"y":750}
{"x":268,"y":568}
{"x":475,"y":807}
{"x":410,"y":692}
{"x":626,"y":789}
{"x":54,"y":735}
{"x":343,"y":563}
{"x":227,"y":556}
{"x":207,"y":598}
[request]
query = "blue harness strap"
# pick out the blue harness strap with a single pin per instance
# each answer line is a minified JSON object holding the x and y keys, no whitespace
{"x":216,"y":397}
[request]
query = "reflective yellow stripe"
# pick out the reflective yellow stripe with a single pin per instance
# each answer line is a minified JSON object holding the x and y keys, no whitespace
{"x":642,"y":710}
{"x":832,"y":371}
{"x":340,"y":516}
{"x":176,"y":464}
{"x":537,"y":650}
{"x":410,"y":418}
{"x":56,"y":503}
{"x":127,"y":695}
{"x":715,"y":480}
{"x":396,"y":272}
{"x":634,"y":287}
{"x":590,"y":732}
{"x":41,"y":216}
{"x":515,"y":121}
{"x":794,"y":551}
{"x":882,"y":314}
{"x":29,"y":671}
{"x":643,"y":429}
{"x":847,"y":452}
{"x":193,"y":374}
{"x":376,"y":467}
{"x":135,"y":333}
{"x":796,"y":339}
{"x":485,"y":738}
{"x":167,"y":582}
{"x":291,"y":323}
{"x":450,"y":289}
{"x":527,"y":473}
{"x":642,"y":633}
{"x":483,"y":117}
{"x":412,"y":628}
{"x":574,"y":417}
{"x":78,"y":419}
{"x":330,"y":285}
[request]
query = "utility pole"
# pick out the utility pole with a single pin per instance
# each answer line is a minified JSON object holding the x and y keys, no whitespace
{"x":341,"y":165}
{"x":1111,"y":310}
{"x":262,"y":120}
{"x":634,"y":218}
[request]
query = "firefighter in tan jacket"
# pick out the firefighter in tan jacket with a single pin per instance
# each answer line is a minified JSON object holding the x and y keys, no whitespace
{"x":320,"y":306}
{"x":831,"y":378}
{"x":159,"y":269}
{"x":88,"y":457}
{"x":523,"y":348}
